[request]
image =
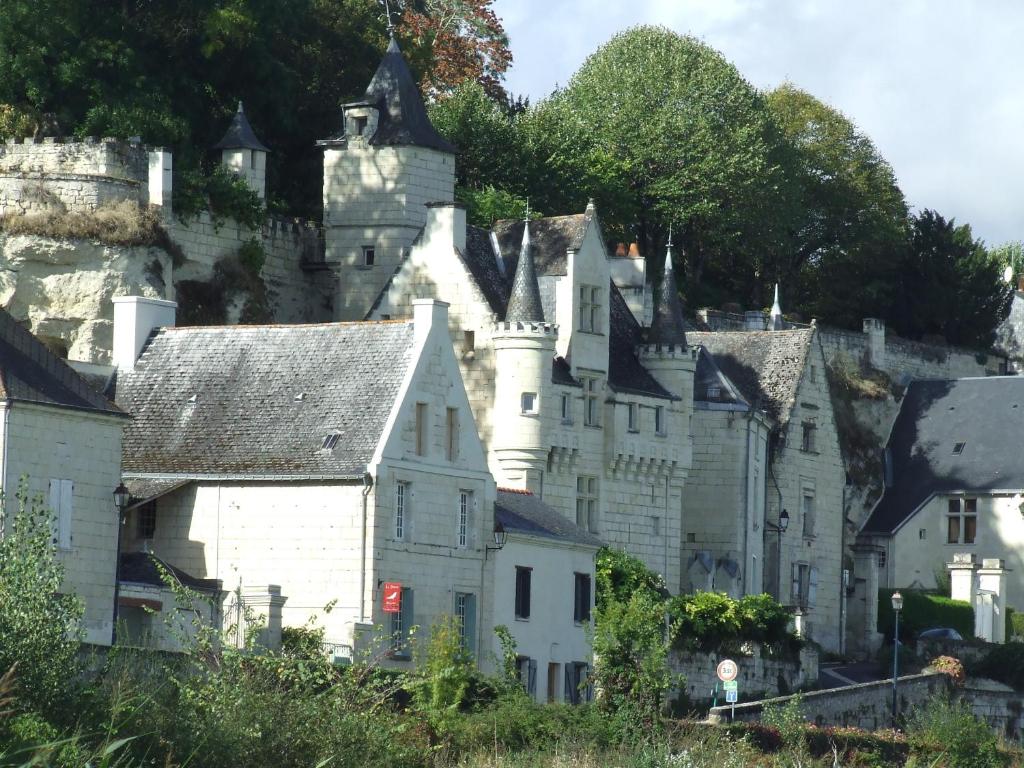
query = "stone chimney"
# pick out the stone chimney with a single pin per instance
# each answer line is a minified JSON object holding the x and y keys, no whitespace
{"x":445,"y":227}
{"x":875,"y":330}
{"x":135,"y":318}
{"x":160,"y":164}
{"x":428,"y":314}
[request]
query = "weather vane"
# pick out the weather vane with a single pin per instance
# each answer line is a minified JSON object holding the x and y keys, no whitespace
{"x":391,"y":25}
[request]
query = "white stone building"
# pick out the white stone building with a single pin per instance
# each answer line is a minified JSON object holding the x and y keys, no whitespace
{"x":544,"y":593}
{"x":64,"y":438}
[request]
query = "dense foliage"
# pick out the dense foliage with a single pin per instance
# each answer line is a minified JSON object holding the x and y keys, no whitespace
{"x":924,"y":610}
{"x":1004,"y":663}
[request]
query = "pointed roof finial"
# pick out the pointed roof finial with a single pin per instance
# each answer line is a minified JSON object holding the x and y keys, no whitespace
{"x":240,"y":134}
{"x":524,"y":304}
{"x":776,"y":321}
{"x":669,"y":244}
{"x":668,"y":326}
{"x":391,"y":24}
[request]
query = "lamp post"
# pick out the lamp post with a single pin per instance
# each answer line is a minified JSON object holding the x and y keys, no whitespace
{"x":779,"y":529}
{"x":499,"y":539}
{"x":121,"y":496}
{"x":897,"y":606}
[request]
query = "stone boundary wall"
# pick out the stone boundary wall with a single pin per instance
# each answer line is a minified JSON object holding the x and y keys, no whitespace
{"x":758,"y":675}
{"x":867,"y":705}
{"x":71,"y":175}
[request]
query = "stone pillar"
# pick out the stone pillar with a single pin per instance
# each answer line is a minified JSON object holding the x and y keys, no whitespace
{"x":963,"y":581}
{"x":160,"y":163}
{"x":863,"y":609}
{"x":875,"y":330}
{"x":992,"y":582}
{"x":266,"y":602}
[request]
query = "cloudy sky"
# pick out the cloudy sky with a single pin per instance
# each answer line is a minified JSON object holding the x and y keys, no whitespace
{"x":938,"y":85}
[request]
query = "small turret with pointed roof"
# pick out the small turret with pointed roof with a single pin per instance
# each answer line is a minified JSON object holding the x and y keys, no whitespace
{"x":524,"y":303}
{"x":668,"y":326}
{"x":243,"y":153}
{"x":776,"y":322}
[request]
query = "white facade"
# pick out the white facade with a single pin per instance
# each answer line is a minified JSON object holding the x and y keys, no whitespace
{"x":71,"y":459}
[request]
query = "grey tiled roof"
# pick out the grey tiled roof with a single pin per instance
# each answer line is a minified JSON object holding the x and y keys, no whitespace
{"x":30,"y":372}
{"x":240,"y":134}
{"x":522,"y":512}
{"x":986,"y":415}
{"x":669,"y":325}
{"x":140,"y":568}
{"x":561,"y":373}
{"x":143,"y":489}
{"x":524,"y":303}
{"x":480,"y":260}
{"x":625,"y":372}
{"x":552,"y":238}
{"x":766,"y":366}
{"x":260,"y":400}
{"x":708,"y":377}
{"x":403,"y":118}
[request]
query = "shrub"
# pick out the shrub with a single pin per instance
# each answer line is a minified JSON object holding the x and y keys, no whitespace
{"x":1004,"y":663}
{"x":950,"y":666}
{"x":951,"y":728}
{"x":221,"y":192}
{"x":620,"y":575}
{"x":714,"y":621}
{"x":1014,"y":624}
{"x":922,"y":610}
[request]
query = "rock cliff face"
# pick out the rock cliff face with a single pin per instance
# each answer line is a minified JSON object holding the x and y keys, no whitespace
{"x":63,"y":288}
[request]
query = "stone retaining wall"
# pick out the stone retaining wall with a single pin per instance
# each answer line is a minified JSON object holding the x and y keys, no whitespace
{"x":758,"y":675}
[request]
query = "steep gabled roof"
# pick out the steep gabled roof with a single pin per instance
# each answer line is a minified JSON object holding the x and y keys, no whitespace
{"x":402,"y":117}
{"x":552,"y":237}
{"x":766,"y":366}
{"x":240,"y":134}
{"x":961,"y":435}
{"x":30,"y":372}
{"x":261,"y":400}
{"x":522,"y":512}
{"x":710,"y":385}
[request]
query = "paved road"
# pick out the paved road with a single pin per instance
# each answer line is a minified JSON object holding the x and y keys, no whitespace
{"x":836,"y":675}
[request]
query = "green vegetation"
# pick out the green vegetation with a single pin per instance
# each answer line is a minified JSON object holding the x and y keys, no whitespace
{"x":123,"y":223}
{"x":222,"y":193}
{"x":922,"y":610}
{"x":1004,"y":663}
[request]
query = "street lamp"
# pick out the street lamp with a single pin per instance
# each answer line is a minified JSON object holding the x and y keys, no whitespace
{"x":121,"y":497}
{"x":897,"y":606}
{"x":499,"y":539}
{"x":780,"y":529}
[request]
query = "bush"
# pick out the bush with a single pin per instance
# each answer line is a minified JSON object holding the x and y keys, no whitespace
{"x":922,"y":610}
{"x":950,"y":728}
{"x":1014,"y":624}
{"x":620,"y":576}
{"x":712,"y":621}
{"x":222,"y":193}
{"x":1004,"y":663}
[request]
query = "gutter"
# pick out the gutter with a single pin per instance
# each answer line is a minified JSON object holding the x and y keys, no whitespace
{"x":367,"y":487}
{"x":4,"y":419}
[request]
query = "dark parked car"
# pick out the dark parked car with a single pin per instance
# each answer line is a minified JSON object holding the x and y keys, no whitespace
{"x":939,"y":633}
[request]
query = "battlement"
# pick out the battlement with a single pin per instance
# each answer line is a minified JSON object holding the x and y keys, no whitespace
{"x":667,"y":351}
{"x":525,"y":328}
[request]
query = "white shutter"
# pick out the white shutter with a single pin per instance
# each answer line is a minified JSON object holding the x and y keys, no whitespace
{"x":67,"y":495}
{"x":795,"y":570}
{"x":812,"y":590}
{"x":53,"y":500}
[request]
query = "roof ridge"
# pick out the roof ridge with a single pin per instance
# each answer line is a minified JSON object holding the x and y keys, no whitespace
{"x":333,"y":324}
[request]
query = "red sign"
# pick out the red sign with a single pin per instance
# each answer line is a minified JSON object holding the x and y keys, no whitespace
{"x":727,"y":670}
{"x":392,"y":597}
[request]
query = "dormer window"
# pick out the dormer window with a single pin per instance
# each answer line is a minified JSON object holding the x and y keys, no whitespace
{"x":590,"y":308}
{"x":959,"y":448}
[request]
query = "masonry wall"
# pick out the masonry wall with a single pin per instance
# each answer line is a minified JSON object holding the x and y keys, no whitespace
{"x":43,"y":443}
{"x":758,"y":675}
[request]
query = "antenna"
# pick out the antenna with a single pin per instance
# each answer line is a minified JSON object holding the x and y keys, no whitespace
{"x":391,"y":25}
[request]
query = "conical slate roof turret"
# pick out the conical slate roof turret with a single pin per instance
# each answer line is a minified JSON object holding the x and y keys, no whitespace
{"x":668,"y":326}
{"x":403,"y":118}
{"x":240,"y":134}
{"x":776,"y":322}
{"x":524,"y":304}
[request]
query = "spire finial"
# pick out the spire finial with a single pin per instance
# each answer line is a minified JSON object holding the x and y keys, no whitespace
{"x":391,"y":24}
{"x":527,"y":217}
{"x":776,"y":321}
{"x":240,"y":106}
{"x":669,"y":244}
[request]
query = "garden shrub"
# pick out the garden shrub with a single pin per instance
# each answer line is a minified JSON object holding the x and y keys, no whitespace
{"x":922,"y":610}
{"x":950,"y":728}
{"x":1004,"y":663}
{"x":620,"y":575}
{"x":710,"y":621}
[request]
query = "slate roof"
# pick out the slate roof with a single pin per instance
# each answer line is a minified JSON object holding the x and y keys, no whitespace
{"x":143,"y":489}
{"x":709,"y":377}
{"x":524,"y":303}
{"x":30,"y":372}
{"x":480,"y":260}
{"x":765,"y":366}
{"x":551,"y":238}
{"x":240,"y":134}
{"x":260,"y":400}
{"x":522,"y":512}
{"x":668,"y":325}
{"x":140,"y":568}
{"x":625,"y":372}
{"x":985,"y":414}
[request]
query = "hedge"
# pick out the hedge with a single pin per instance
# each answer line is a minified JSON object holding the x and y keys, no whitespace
{"x":924,"y":610}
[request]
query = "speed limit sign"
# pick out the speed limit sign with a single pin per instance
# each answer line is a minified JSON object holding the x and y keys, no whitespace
{"x":727,"y":670}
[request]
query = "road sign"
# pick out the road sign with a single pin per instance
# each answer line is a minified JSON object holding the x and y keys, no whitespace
{"x":730,"y":685}
{"x":727,"y":670}
{"x":731,"y":696}
{"x":392,"y":597}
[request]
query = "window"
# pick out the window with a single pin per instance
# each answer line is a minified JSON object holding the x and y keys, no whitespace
{"x":807,"y":441}
{"x":145,"y":520}
{"x":360,"y":123}
{"x":451,"y":434}
{"x":401,"y":510}
{"x":330,"y":441}
{"x":805,"y":585}
{"x":468,"y":341}
{"x":369,"y":255}
{"x":962,"y":521}
{"x":465,"y":614}
{"x":808,"y":505}
{"x":577,"y":688}
{"x":553,"y":681}
{"x":465,"y":511}
{"x":590,"y":308}
{"x":566,"y":409}
{"x":714,"y":392}
{"x":882,"y":560}
{"x":523,"y":576}
{"x":401,"y":623}
{"x":61,"y":496}
{"x":633,"y":417}
{"x":959,"y":448}
{"x":591,"y":404}
{"x":922,"y":533}
{"x":421,"y":429}
{"x":586,"y":503}
{"x":528,"y":403}
{"x":527,"y":670}
{"x":581,"y":598}
{"x":660,"y":427}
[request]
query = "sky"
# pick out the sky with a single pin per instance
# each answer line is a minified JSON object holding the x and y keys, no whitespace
{"x":938,"y":85}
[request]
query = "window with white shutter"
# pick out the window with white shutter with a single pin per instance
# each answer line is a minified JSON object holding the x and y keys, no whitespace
{"x":61,"y":498}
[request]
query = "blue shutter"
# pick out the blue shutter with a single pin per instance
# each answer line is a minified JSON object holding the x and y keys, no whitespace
{"x":531,"y":686}
{"x":569,"y":692}
{"x":470,"y":629}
